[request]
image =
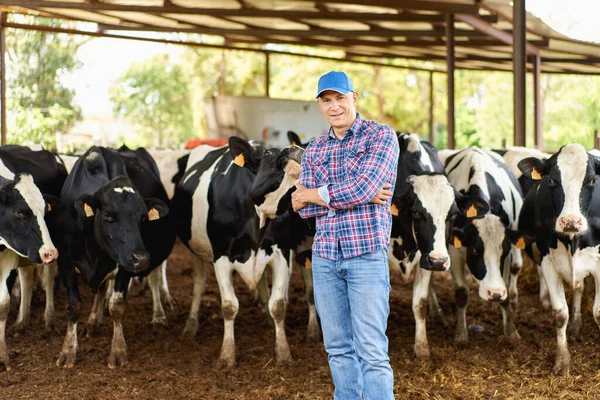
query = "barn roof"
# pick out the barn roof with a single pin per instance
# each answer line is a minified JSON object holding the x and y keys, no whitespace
{"x":362,"y":29}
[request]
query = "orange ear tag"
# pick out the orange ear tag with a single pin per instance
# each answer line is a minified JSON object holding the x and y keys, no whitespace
{"x":535,"y":175}
{"x":307,"y":263}
{"x":49,"y":207}
{"x":394,"y":209}
{"x":153,"y":214}
{"x":520,"y":243}
{"x":239,"y":160}
{"x":88,"y":210}
{"x":457,"y":242}
{"x":471,"y":212}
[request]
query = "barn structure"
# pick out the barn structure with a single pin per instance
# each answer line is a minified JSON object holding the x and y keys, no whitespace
{"x":491,"y":35}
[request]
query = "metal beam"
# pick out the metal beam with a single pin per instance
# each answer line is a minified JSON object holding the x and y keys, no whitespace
{"x":467,"y":43}
{"x":439,"y":6}
{"x":450,"y":76}
{"x":520,"y":72}
{"x":238,"y":12}
{"x":492,"y":31}
{"x":3,"y":78}
{"x":537,"y":104}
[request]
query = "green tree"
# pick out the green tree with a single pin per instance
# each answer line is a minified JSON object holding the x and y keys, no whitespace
{"x":40,"y":105}
{"x":154,"y":95}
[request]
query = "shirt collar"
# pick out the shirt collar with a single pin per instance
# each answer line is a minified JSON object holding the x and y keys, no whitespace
{"x":354,"y":128}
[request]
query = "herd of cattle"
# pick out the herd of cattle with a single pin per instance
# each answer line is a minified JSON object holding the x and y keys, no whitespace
{"x":113,"y":215}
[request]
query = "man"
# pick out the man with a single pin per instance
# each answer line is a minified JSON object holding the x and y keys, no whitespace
{"x":345,"y":184}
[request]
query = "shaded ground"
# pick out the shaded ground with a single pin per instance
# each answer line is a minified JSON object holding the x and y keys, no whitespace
{"x":162,"y":367}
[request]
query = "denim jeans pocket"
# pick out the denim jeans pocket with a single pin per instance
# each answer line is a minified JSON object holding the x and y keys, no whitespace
{"x":377,"y":255}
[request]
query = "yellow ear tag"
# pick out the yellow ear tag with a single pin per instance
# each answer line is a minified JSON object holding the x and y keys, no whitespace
{"x":88,"y":210}
{"x":153,"y":214}
{"x":394,"y":209}
{"x":471,"y":212}
{"x":308,"y":264}
{"x":239,"y":160}
{"x":520,"y":243}
{"x":457,"y":243}
{"x":535,"y":175}
{"x":49,"y":207}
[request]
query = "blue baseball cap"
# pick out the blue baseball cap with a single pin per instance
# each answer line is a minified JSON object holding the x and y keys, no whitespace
{"x":335,"y":80}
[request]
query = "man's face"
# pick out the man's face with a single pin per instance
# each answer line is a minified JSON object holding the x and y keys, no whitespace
{"x":338,"y":109}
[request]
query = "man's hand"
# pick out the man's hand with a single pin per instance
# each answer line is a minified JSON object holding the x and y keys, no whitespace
{"x":383,"y":195}
{"x":298,"y":201}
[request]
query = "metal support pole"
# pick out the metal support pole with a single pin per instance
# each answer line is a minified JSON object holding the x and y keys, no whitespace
{"x":519,"y":68}
{"x":431,"y":120}
{"x":450,"y":72}
{"x":3,"y":79}
{"x":537,"y":104}
{"x":596,"y":140}
{"x":267,"y":75}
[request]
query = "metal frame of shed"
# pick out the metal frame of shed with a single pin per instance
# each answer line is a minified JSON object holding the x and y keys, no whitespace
{"x":449,"y":34}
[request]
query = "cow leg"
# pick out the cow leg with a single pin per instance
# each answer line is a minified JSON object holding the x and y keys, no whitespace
{"x":461,"y":295}
{"x":96,"y":314}
{"x":229,"y":308}
{"x":8,"y":275}
{"x":506,"y":306}
{"x":544,"y":296}
{"x":314,"y":330}
{"x":116,"y":307}
{"x":278,"y":304}
{"x":110,"y":288}
{"x":158,"y":312}
{"x":435,"y":310}
{"x":575,"y":319}
{"x":263,"y":292}
{"x":199,"y":276}
{"x":596,"y":308}
{"x":164,"y":286}
{"x":73,"y":307}
{"x":560,"y":309}
{"x":26,"y":280}
{"x":419,"y":307}
{"x":516,"y":264}
{"x":48,"y":275}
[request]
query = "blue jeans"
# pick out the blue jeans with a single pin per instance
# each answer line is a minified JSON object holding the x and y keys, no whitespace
{"x":352,"y":300}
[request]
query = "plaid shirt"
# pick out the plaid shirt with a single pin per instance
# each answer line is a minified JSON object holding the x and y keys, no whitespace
{"x":348,"y":173}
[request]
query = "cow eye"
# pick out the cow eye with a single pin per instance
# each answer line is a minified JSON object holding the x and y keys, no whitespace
{"x":107,"y":218}
{"x":417,"y":215}
{"x":593,"y":181}
{"x":19,"y":214}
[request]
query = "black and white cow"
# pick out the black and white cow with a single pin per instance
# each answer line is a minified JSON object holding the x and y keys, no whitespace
{"x":486,"y":243}
{"x":219,"y":222}
{"x":113,"y":223}
{"x":49,"y":174}
{"x":23,"y":233}
{"x":562,"y":215}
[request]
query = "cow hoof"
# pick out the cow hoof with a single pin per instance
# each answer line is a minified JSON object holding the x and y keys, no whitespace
{"x":160,"y":321}
{"x":17,"y":328}
{"x":461,"y":341}
{"x":561,"y":369}
{"x":224,"y":365}
{"x":7,"y":366}
{"x":117,"y":359}
{"x":66,"y":360}
{"x":50,"y":325}
{"x":190,"y":330}
{"x":422,"y":352}
{"x":575,"y":330}
{"x":285,"y":362}
{"x":90,"y":330}
{"x":170,"y":302}
{"x":313,"y":336}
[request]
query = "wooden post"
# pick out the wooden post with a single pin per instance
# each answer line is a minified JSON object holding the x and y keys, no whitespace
{"x":596,"y":140}
{"x":431,"y":120}
{"x":519,"y":64}
{"x":267,"y":77}
{"x":3,"y":79}
{"x":450,"y":74}
{"x":537,"y":104}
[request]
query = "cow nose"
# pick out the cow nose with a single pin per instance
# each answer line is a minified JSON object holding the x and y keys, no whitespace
{"x":48,"y":255}
{"x":571,"y":223}
{"x":438,"y":263}
{"x":496,"y":294}
{"x":140,"y":260}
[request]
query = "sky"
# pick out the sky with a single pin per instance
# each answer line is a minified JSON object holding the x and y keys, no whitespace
{"x":105,"y":59}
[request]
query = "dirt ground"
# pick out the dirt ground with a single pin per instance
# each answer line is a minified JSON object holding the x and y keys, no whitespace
{"x":163,"y":367}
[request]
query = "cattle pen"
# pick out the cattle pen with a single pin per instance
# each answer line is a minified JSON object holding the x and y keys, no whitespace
{"x":164,"y":367}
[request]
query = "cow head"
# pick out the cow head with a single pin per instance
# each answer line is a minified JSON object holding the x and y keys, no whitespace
{"x":567,"y":181}
{"x":275,"y":181}
{"x":246,"y":154}
{"x":427,"y":210}
{"x":22,"y":225}
{"x":414,"y":159}
{"x":117,"y":211}
{"x":487,"y":243}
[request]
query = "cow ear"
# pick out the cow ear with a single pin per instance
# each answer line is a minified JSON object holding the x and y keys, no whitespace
{"x":458,"y":238}
{"x":472,"y":207}
{"x":157,"y":209}
{"x":533,"y":168}
{"x":519,"y":239}
{"x":85,"y":205}
{"x":596,"y":163}
{"x":294,"y":138}
{"x":242,"y":153}
{"x":51,"y":202}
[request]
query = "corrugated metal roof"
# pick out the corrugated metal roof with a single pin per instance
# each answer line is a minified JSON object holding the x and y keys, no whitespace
{"x":413,"y":29}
